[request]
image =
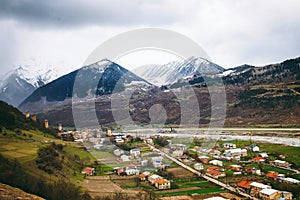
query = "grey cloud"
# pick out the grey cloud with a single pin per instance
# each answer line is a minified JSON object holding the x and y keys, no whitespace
{"x":67,"y":13}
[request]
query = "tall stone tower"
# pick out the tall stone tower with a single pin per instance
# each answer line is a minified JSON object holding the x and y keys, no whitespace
{"x":109,"y":132}
{"x":33,"y":117}
{"x":46,"y":123}
{"x":27,"y":115}
{"x":60,"y":127}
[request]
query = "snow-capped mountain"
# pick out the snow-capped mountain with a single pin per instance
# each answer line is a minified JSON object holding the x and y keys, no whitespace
{"x":19,"y":83}
{"x":176,"y":70}
{"x":101,"y":78}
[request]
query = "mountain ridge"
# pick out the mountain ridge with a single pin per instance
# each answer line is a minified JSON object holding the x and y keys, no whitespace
{"x":19,"y":83}
{"x":100,"y":78}
{"x":173,"y":71}
{"x":268,"y":97}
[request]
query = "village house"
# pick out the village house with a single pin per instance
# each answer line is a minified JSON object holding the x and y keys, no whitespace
{"x":203,"y":159}
{"x":263,"y":155}
{"x":257,"y":187}
{"x":144,"y":175}
{"x":158,"y":164}
{"x":280,"y":163}
{"x":212,"y":168}
{"x":125,"y":158}
{"x":149,"y":141}
{"x":235,"y":167}
{"x":216,"y":162}
{"x":154,"y":178}
{"x":119,"y":141}
{"x":255,"y":149}
{"x":204,"y":151}
{"x":177,"y":153}
{"x":119,"y":171}
{"x":273,"y":175}
{"x":237,"y":173}
{"x":229,"y":145}
{"x":144,"y":163}
{"x":196,"y":148}
{"x":286,"y":195}
{"x":198,"y":166}
{"x":256,"y":171}
{"x":269,"y":194}
{"x":88,"y":171}
{"x":157,"y":158}
{"x":216,"y":174}
{"x":291,"y":180}
{"x":258,"y":159}
{"x":235,"y":152}
{"x":244,"y":152}
{"x":214,"y":152}
{"x":162,"y":184}
{"x":118,"y":152}
{"x":281,"y":156}
{"x":131,"y":171}
{"x":244,"y":185}
{"x":135,"y":152}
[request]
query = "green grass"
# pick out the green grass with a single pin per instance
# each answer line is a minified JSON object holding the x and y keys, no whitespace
{"x":292,"y":153}
{"x":24,"y":147}
{"x":78,"y":150}
{"x":194,"y":184}
{"x":129,"y":186}
{"x":101,"y":154}
{"x":295,"y":176}
{"x":187,"y":181}
{"x":274,"y":150}
{"x":267,"y":168}
{"x":200,"y":191}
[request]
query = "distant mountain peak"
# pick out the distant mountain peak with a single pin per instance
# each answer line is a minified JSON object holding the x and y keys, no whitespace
{"x":100,"y":78}
{"x":20,"y":82}
{"x":175,"y":70}
{"x":104,"y":61}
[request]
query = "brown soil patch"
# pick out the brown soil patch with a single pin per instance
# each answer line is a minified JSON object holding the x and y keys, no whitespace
{"x":103,"y":186}
{"x":179,"y":172}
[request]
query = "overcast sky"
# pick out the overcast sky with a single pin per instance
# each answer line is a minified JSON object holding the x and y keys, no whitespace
{"x":62,"y":33}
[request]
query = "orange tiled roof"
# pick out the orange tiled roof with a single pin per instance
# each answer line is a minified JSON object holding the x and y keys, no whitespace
{"x":244,"y":184}
{"x":215,"y":172}
{"x":272,"y":175}
{"x":257,"y":158}
{"x":87,"y":170}
{"x":203,"y":160}
{"x":161,"y":181}
{"x":212,"y":168}
{"x":142,"y":175}
{"x":249,"y":169}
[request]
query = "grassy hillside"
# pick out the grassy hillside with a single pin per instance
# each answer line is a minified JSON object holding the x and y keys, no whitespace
{"x":34,"y":160}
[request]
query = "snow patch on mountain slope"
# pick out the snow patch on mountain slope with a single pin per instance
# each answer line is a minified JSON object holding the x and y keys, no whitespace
{"x":175,"y":70}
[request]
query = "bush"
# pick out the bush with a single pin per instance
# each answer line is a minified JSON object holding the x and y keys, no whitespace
{"x":48,"y":159}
